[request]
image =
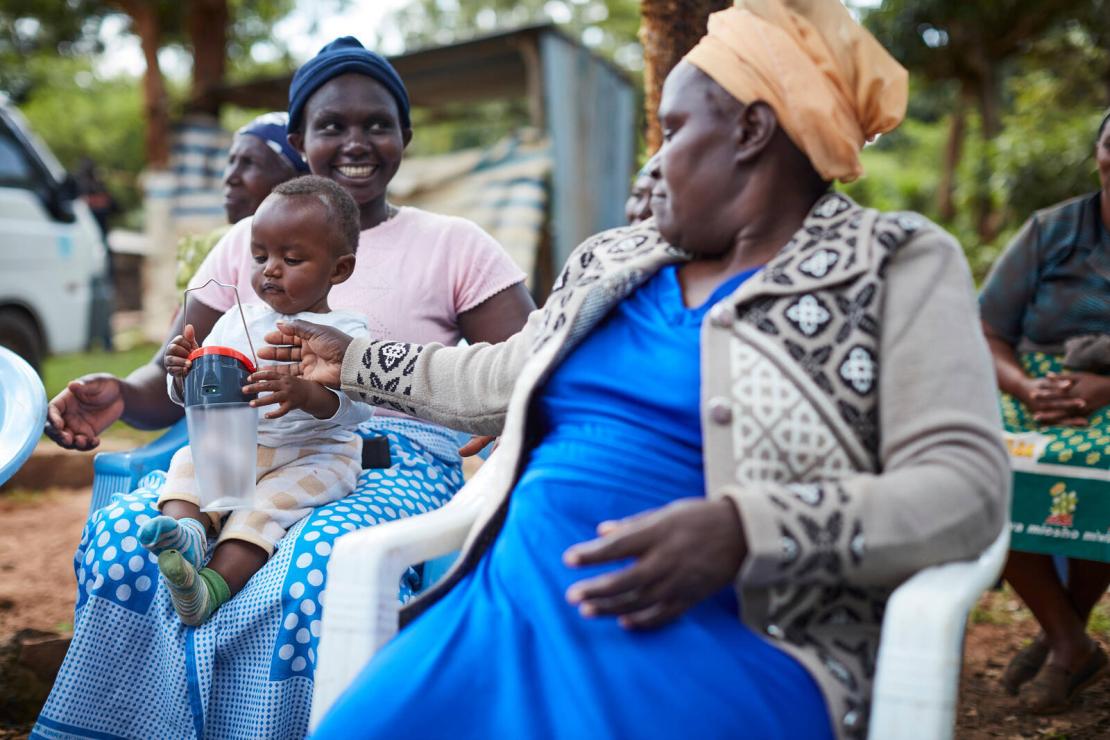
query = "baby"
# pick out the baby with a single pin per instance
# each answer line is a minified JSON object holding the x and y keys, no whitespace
{"x":303,"y":240}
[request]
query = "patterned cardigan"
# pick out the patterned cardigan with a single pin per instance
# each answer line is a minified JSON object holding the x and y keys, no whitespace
{"x":848,"y":407}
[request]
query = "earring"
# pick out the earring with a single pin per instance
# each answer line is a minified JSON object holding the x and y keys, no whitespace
{"x":304,"y":157}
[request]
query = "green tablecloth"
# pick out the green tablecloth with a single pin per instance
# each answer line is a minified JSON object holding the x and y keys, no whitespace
{"x":1061,"y":501}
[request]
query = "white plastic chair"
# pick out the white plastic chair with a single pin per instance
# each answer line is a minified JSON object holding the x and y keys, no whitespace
{"x":919,"y":656}
{"x":921,"y":648}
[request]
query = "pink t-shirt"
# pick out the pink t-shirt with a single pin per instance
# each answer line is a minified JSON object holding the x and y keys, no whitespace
{"x":414,"y":275}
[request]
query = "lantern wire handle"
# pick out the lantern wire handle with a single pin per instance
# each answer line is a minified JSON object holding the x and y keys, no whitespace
{"x":238,"y":303}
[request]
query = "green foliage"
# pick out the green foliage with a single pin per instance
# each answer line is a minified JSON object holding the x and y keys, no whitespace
{"x":608,"y":26}
{"x":29,"y":27}
{"x":1045,"y":153}
{"x":78,"y":114}
{"x":70,"y":28}
{"x":1041,"y":69}
{"x":47,"y":50}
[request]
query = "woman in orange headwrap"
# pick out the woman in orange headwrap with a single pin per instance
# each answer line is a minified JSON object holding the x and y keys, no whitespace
{"x":767,"y":403}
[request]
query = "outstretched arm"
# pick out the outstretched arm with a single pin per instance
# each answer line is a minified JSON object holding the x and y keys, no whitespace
{"x":465,"y":388}
{"x":88,"y":405}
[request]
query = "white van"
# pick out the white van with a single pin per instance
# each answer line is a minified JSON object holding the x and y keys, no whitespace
{"x":51,"y":250}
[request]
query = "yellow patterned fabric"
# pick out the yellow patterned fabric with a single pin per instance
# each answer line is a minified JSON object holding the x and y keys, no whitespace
{"x":1061,"y":500}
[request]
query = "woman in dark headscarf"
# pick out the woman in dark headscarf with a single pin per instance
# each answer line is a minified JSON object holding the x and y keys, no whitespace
{"x":260,"y":158}
{"x":728,"y":435}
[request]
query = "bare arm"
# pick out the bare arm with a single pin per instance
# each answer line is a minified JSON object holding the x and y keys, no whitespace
{"x":1049,"y":398}
{"x":88,"y":405}
{"x":1011,"y":378}
{"x":498,"y":317}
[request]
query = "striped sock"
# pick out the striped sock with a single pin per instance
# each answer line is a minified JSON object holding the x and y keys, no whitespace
{"x":195,"y":595}
{"x":187,"y":536}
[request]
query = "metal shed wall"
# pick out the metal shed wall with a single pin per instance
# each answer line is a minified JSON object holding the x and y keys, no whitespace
{"x":590,"y":112}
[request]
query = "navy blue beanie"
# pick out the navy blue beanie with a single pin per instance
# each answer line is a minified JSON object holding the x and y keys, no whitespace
{"x":271,"y":128}
{"x":340,"y":57}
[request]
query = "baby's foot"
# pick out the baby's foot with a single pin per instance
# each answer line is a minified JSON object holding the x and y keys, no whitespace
{"x":195,"y":595}
{"x":187,"y":536}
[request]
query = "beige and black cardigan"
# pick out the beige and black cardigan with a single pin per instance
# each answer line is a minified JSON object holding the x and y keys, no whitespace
{"x":848,"y":407}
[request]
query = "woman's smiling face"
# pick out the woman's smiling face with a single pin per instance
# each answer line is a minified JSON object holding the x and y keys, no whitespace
{"x":352,"y":134}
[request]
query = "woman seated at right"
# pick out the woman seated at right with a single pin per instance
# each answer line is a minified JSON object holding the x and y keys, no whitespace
{"x":1050,"y":289}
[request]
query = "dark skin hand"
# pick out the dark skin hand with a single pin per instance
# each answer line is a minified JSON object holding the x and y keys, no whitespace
{"x":286,"y":391}
{"x":290,"y":392}
{"x":685,"y":552}
{"x":317,"y":355}
{"x":1065,"y":400}
{"x":80,"y":413}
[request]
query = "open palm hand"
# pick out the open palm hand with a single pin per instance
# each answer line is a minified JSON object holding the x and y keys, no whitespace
{"x":314,"y":351}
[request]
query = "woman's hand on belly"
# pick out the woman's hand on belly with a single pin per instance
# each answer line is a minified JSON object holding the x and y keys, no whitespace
{"x":684,"y":552}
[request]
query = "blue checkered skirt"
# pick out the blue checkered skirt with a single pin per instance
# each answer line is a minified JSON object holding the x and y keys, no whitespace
{"x":134,"y":670}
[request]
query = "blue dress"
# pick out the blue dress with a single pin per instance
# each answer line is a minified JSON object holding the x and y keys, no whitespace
{"x":504,"y":655}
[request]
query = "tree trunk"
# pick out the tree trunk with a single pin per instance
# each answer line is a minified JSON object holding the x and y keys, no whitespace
{"x":206,"y":23}
{"x":668,"y":29}
{"x":144,"y":16}
{"x":988,"y":219}
{"x":953,"y":150}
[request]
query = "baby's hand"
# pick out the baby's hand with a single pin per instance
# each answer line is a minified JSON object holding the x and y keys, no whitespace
{"x":176,"y":359}
{"x":289,"y":391}
{"x":292,"y":392}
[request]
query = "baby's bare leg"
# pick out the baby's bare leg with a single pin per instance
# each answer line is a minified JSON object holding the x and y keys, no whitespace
{"x":237,"y":561}
{"x":182,"y":526}
{"x":196,"y":595}
{"x":178,"y":509}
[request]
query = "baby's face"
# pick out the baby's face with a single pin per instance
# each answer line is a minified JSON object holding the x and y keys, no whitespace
{"x":295,"y":262}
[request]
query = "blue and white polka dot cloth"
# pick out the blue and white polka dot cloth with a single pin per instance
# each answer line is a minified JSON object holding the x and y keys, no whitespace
{"x":134,"y":671}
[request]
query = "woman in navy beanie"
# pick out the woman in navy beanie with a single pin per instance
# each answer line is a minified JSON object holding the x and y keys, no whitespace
{"x":340,"y":56}
{"x":248,"y":671}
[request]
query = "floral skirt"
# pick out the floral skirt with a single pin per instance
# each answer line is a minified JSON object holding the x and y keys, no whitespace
{"x":1061,"y":499}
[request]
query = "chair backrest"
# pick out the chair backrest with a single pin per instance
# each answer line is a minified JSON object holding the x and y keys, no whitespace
{"x":22,"y":412}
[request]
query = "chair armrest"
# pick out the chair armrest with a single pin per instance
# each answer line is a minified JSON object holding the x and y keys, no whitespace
{"x":921,"y":648}
{"x":364,"y":573}
{"x":121,"y":471}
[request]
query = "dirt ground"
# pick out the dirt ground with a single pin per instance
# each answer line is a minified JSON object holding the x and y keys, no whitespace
{"x":38,"y":533}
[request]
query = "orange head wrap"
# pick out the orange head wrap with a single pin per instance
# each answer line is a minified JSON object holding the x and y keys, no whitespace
{"x":831,"y":84}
